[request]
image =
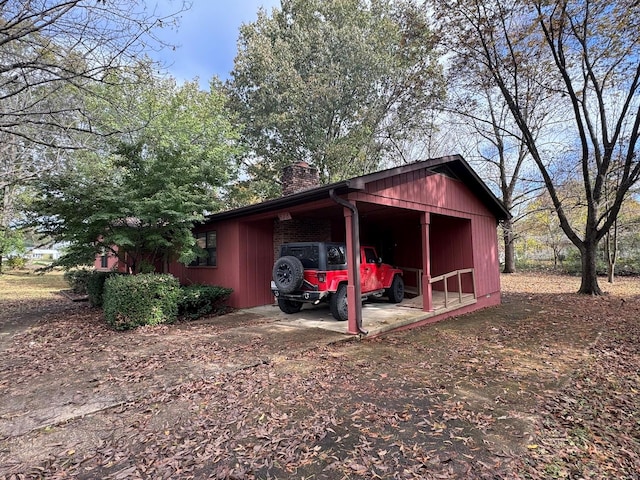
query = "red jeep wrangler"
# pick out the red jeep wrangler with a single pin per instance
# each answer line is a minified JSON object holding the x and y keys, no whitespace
{"x":311,"y":272}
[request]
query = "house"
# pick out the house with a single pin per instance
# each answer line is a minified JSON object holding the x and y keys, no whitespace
{"x":435,"y":219}
{"x":52,"y":253}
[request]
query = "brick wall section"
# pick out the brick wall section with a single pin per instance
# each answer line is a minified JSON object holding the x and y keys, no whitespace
{"x":300,"y":230}
{"x":298,"y":177}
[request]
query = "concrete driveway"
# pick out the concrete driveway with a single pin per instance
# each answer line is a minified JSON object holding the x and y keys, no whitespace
{"x":378,"y":316}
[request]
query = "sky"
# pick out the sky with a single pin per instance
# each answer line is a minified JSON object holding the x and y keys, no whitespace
{"x":206,"y":37}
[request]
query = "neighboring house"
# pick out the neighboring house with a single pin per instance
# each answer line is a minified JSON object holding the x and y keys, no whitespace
{"x":44,"y":254}
{"x":435,"y":219}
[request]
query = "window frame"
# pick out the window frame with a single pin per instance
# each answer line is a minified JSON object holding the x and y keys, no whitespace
{"x":208,"y":241}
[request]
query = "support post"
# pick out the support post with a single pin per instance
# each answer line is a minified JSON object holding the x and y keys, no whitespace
{"x":427,"y":302}
{"x":353,"y":265}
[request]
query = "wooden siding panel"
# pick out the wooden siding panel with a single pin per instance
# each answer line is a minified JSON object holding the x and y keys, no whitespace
{"x":112,"y":263}
{"x":486,"y":262}
{"x":256,"y":262}
{"x":226,"y":274}
{"x":428,"y":190}
{"x":458,"y":243}
{"x":451,"y":244}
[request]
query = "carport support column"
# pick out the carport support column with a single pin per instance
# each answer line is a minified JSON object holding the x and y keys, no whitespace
{"x":353,"y":266}
{"x":427,"y":304}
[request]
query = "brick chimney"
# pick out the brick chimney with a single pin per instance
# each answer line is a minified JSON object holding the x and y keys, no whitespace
{"x":298,"y":177}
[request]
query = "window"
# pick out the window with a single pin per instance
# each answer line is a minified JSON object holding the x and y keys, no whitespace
{"x":307,"y":254}
{"x":370,"y":255}
{"x":208,"y":242}
{"x":104,"y":261}
{"x":335,"y":255}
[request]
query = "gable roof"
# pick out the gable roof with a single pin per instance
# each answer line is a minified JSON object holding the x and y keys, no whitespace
{"x":453,"y":166}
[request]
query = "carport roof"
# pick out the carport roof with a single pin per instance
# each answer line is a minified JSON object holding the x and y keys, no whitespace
{"x":453,"y":165}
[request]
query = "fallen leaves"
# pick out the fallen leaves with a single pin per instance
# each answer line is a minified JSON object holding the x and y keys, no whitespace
{"x":544,"y":386}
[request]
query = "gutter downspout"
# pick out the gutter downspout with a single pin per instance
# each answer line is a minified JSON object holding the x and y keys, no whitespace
{"x":355,"y":255}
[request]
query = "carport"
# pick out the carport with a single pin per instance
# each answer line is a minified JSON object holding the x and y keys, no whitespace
{"x":434,"y":219}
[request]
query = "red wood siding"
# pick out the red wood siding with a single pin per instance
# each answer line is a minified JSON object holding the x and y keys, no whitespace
{"x":245,"y":258}
{"x":226,"y":273}
{"x":449,"y":197}
{"x":112,"y":263}
{"x":451,"y":249}
{"x":416,"y":190}
{"x":256,"y":262}
{"x":486,"y":262}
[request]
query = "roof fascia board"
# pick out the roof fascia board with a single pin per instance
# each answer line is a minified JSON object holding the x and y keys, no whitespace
{"x":282,"y":202}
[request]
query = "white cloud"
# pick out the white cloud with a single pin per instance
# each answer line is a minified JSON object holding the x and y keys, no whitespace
{"x":206,"y":38}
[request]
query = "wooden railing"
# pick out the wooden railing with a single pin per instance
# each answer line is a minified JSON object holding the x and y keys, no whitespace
{"x":442,"y":278}
{"x":418,"y":287}
{"x":458,"y":273}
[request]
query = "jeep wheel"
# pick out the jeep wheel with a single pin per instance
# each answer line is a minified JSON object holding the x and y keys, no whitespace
{"x":288,"y":274}
{"x":289,"y":306}
{"x":338,"y":303}
{"x":396,"y":291}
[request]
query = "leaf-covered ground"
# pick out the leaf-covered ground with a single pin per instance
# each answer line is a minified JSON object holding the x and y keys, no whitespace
{"x":544,"y":386}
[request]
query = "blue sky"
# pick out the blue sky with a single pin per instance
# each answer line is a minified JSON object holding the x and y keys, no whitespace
{"x":206,"y":37}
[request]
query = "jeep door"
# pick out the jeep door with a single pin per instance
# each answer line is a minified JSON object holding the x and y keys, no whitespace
{"x":370,"y":277}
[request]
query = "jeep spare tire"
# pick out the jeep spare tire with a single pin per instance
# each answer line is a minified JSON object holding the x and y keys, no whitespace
{"x":288,"y":274}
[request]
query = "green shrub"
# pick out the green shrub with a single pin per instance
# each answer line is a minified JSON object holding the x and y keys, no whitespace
{"x":628,"y":267}
{"x":78,"y":280}
{"x":16,"y":262}
{"x":146,"y":267}
{"x":145,"y":299}
{"x":199,"y":300}
{"x":95,"y":287}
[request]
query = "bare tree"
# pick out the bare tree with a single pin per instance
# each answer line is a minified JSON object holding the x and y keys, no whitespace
{"x":588,"y":51}
{"x":53,"y":54}
{"x":59,"y":48}
{"x":495,"y":147}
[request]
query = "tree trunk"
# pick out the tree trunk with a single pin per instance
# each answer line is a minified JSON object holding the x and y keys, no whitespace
{"x":611,"y":250}
{"x":611,"y":271}
{"x":509,"y":248}
{"x":0,"y":262}
{"x":588,"y":255}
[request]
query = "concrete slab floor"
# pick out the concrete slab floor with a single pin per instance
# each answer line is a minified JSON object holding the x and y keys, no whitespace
{"x":377,"y":316}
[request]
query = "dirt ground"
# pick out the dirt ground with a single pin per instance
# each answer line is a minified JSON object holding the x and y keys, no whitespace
{"x":544,"y":386}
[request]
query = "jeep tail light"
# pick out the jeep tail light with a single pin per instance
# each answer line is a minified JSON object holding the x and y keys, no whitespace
{"x":322,"y":277}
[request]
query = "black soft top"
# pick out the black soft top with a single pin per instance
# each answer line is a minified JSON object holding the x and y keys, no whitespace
{"x":317,"y":255}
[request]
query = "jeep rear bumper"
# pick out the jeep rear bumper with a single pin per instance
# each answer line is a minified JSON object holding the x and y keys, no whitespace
{"x":305,"y":296}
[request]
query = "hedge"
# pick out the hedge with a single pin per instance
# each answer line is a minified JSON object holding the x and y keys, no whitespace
{"x":15,"y":262}
{"x":146,"y":299}
{"x":95,"y":287}
{"x":199,"y":300}
{"x":78,"y":280}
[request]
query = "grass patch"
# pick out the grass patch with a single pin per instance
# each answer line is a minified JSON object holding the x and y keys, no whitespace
{"x":16,"y":286}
